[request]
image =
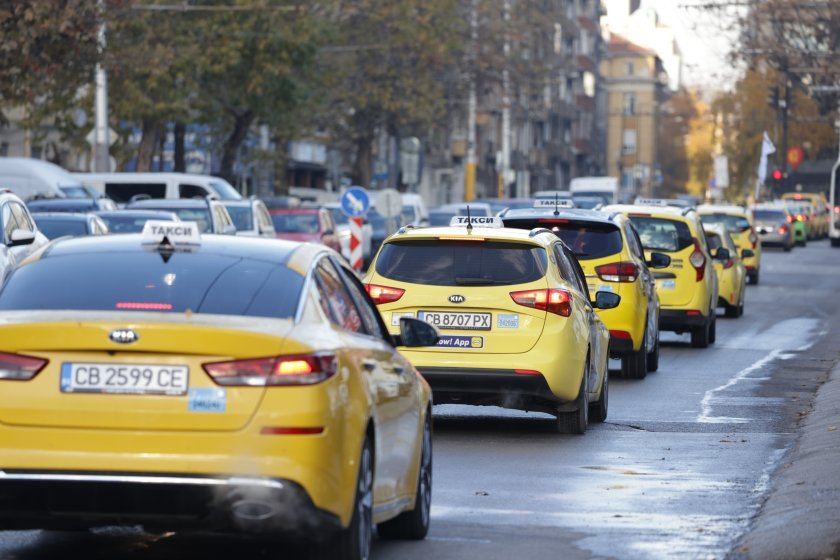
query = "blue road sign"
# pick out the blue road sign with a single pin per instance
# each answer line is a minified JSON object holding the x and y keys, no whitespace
{"x":355,"y":202}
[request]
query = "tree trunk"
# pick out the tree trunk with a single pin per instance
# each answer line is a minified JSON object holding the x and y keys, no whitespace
{"x":241,"y":124}
{"x":363,"y":166}
{"x":162,"y":149}
{"x":180,"y":133}
{"x":146,"y":150}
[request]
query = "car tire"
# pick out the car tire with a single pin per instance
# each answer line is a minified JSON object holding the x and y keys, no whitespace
{"x":598,"y":410}
{"x":414,"y":524}
{"x":731,"y":311}
{"x":653,"y":356}
{"x":634,"y":364}
{"x":754,"y":277}
{"x":835,"y":241}
{"x":353,"y":543}
{"x":576,"y":422}
{"x":713,"y":330}
{"x":788,"y":248}
{"x":700,"y":336}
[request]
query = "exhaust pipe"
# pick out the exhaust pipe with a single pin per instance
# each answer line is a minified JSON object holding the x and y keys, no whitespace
{"x":250,"y":510}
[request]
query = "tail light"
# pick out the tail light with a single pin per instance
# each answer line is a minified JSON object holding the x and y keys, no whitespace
{"x":789,"y":219}
{"x":729,"y":263}
{"x":554,"y":301}
{"x":799,"y":218}
{"x":618,"y":272}
{"x":17,"y":367}
{"x":753,"y":237}
{"x":783,"y":229}
{"x":300,"y":369}
{"x":837,"y":209}
{"x":383,"y":294}
{"x":698,"y":261}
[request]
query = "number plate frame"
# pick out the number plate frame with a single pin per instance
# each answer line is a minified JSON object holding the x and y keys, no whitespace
{"x":125,"y":379}
{"x":463,"y":320}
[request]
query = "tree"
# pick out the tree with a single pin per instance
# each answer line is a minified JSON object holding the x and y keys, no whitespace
{"x":677,"y":118}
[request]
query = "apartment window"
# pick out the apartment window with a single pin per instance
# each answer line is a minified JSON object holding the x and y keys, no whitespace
{"x":589,"y":84}
{"x":629,"y":104}
{"x":628,"y":141}
{"x":628,"y":69}
{"x":558,"y":38}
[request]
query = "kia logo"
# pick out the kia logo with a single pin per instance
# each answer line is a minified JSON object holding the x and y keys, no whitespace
{"x":124,"y":336}
{"x":457,"y":299}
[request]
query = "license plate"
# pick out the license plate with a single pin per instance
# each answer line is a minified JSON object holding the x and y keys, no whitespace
{"x":667,"y":284}
{"x":457,"y":320}
{"x":132,"y":379}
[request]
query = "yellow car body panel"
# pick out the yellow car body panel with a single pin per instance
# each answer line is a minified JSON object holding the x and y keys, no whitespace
{"x":731,"y":273}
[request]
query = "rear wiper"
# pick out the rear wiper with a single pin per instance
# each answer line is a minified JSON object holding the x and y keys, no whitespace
{"x":468,"y":281}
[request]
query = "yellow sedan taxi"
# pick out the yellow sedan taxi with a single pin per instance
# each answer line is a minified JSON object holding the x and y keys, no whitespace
{"x":518,"y":328}
{"x":739,"y":222}
{"x":611,"y":256}
{"x":212,"y":383}
{"x":688,"y":291}
{"x":730,"y":269}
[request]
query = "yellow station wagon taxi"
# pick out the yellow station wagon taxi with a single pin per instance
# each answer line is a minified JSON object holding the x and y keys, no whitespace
{"x":518,"y":328}
{"x":730,"y":269}
{"x":611,"y":256}
{"x":739,"y":222}
{"x":688,"y":290}
{"x":212,"y":383}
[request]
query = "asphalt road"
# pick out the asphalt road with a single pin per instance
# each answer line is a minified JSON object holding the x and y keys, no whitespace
{"x":682,"y":465}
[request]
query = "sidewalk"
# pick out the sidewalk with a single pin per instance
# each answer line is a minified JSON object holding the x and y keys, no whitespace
{"x":801,"y":518}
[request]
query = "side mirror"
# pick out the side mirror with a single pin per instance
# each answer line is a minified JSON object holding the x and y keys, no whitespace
{"x":229,"y":229}
{"x":606,"y":300}
{"x":722,"y":254}
{"x":415,"y":333}
{"x":21,"y":237}
{"x":659,"y":260}
{"x":747,"y":253}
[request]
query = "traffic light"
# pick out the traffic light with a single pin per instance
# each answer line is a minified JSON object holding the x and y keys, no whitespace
{"x":777,"y":174}
{"x":773,"y":97}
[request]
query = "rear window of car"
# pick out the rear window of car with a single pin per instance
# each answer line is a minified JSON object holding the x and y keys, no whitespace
{"x":143,"y":281}
{"x":587,"y":240}
{"x":295,"y":223}
{"x":662,"y":234}
{"x":730,"y":222}
{"x":769,"y":215}
{"x":55,"y":228}
{"x":457,"y":263}
{"x":126,"y":224}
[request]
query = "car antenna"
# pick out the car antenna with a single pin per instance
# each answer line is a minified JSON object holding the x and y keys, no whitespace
{"x":469,"y":221}
{"x":556,"y":204}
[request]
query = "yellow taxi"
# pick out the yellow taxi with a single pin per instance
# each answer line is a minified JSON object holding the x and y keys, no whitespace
{"x":209,"y":382}
{"x":687,"y":287}
{"x":820,"y":215}
{"x":611,"y":256}
{"x":518,"y":328}
{"x":730,"y":269}
{"x":739,"y":222}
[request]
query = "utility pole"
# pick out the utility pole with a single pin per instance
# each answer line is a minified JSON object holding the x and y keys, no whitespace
{"x":504,"y":168}
{"x":785,"y":108}
{"x":469,"y":172}
{"x":102,"y":159}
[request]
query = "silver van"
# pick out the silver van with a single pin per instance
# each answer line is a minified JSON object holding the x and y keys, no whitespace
{"x":123,"y":187}
{"x":29,"y":178}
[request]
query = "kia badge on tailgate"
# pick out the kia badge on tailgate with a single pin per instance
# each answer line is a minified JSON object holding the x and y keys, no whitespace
{"x":124,"y":336}
{"x":457,"y":299}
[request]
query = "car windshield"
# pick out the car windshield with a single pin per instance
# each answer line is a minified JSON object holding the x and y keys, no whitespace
{"x":242,"y":217}
{"x":730,"y":222}
{"x":295,"y":223}
{"x":588,"y":240}
{"x":196,"y":282}
{"x":461,"y":263}
{"x":54,"y":228}
{"x":662,"y":234}
{"x":225,"y":190}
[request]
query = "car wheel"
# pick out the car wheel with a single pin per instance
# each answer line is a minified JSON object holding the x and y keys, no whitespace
{"x":788,"y":248}
{"x":353,"y":543}
{"x":835,"y":241}
{"x":754,"y":277}
{"x":576,"y":422}
{"x":700,"y":336}
{"x":713,"y":331}
{"x":598,"y":410}
{"x":414,"y":524}
{"x":634,"y":364}
{"x":653,"y":355}
{"x":731,"y":311}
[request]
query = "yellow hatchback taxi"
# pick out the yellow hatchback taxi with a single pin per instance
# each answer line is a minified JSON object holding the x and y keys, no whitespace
{"x":687,"y":287}
{"x":518,"y":328}
{"x":211,"y":383}
{"x":738,"y":221}
{"x":730,"y":269}
{"x":610,"y":253}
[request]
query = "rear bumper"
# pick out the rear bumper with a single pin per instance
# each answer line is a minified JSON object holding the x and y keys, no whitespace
{"x":680,"y":320}
{"x":68,"y":500}
{"x":620,"y":346}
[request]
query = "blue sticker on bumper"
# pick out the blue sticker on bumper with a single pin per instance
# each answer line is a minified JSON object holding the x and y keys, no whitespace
{"x":207,"y":400}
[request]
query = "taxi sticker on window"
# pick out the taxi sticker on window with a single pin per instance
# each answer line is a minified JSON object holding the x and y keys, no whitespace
{"x":207,"y":399}
{"x":507,"y":321}
{"x":461,"y":341}
{"x":396,"y":315}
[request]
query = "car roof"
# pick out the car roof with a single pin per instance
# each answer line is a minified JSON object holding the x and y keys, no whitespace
{"x":163,"y":203}
{"x":63,"y":202}
{"x":670,"y":211}
{"x":136,"y":213}
{"x":579,"y":214}
{"x":295,"y":210}
{"x":495,"y":234}
{"x":721,"y":209}
{"x":72,"y":216}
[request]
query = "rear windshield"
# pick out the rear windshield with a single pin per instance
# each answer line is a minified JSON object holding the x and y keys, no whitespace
{"x":295,"y":223}
{"x":55,"y":228}
{"x":769,"y":215}
{"x":661,"y":234}
{"x":142,"y":281}
{"x":242,"y":217}
{"x":588,"y":240}
{"x":461,"y":263}
{"x":125,"y":224}
{"x":732,"y":223}
{"x":199,"y":215}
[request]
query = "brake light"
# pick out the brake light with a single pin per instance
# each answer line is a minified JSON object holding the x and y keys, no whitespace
{"x":144,"y":306}
{"x":383,"y":294}
{"x":621,"y":334}
{"x":618,"y":272}
{"x":554,"y":301}
{"x":783,"y":229}
{"x":837,"y":209}
{"x":552,"y":221}
{"x":17,"y":367}
{"x":729,"y":263}
{"x":527,"y":372}
{"x":800,"y":218}
{"x":789,"y":219}
{"x":698,"y":261}
{"x":301,"y":369}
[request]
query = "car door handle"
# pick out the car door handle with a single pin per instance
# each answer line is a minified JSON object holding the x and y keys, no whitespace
{"x":369,"y":365}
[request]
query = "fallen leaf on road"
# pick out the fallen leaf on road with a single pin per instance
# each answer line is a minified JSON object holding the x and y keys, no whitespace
{"x":728,"y":441}
{"x":832,"y":429}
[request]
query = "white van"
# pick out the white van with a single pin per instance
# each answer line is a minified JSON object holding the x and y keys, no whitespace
{"x":27,"y":177}
{"x":121,"y":187}
{"x":604,"y":187}
{"x":414,"y":210}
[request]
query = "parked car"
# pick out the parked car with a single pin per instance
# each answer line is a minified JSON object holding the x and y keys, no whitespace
{"x":211,"y":215}
{"x":70,"y":204}
{"x":21,"y":236}
{"x":122,"y":187}
{"x":132,"y":221}
{"x":250,"y":217}
{"x":28,"y":177}
{"x":306,"y":223}
{"x":74,"y":224}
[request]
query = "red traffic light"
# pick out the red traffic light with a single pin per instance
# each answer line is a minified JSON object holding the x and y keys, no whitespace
{"x":777,"y":174}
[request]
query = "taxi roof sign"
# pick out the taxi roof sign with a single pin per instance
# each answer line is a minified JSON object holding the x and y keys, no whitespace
{"x":477,"y":221}
{"x":651,"y":201}
{"x":176,"y":233}
{"x":554,"y":203}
